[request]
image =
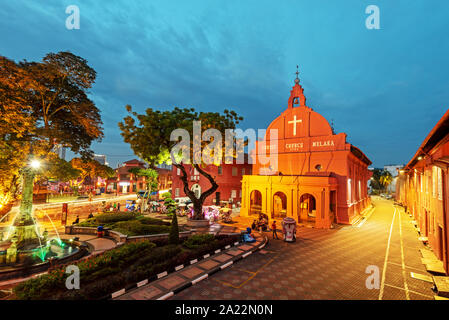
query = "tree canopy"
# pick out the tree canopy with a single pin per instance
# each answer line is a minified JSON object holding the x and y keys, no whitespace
{"x":149,"y":135}
{"x":91,"y":169}
{"x":151,"y":177}
{"x":43,"y":105}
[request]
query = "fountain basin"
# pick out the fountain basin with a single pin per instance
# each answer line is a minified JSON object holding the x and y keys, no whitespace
{"x":32,"y":260}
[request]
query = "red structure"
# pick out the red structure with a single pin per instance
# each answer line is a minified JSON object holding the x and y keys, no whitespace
{"x":318,"y":177}
{"x":126,"y":182}
{"x":422,"y":187}
{"x":227,"y":176}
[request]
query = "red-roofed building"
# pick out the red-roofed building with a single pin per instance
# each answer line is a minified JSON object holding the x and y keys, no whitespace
{"x":422,"y":187}
{"x":227,"y":176}
{"x":126,"y":182}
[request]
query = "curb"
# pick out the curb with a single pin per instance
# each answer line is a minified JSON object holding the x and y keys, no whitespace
{"x":165,"y":296}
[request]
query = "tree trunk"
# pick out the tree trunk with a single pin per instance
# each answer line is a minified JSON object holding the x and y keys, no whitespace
{"x":197,"y":205}
{"x":197,"y":202}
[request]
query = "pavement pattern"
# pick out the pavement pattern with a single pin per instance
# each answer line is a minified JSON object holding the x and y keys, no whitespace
{"x":192,"y":273}
{"x":329,"y":264}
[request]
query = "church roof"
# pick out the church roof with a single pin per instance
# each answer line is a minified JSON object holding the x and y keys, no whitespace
{"x":301,"y":129}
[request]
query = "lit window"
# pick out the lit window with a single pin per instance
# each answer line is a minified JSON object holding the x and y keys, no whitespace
{"x":177,"y":192}
{"x":349,"y":191}
{"x":178,"y":171}
{"x":233,"y":194}
{"x":360,"y":189}
{"x":434,"y":181}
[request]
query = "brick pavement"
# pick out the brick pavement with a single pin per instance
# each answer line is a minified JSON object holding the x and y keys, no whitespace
{"x":328,"y":264}
{"x":191,"y":274}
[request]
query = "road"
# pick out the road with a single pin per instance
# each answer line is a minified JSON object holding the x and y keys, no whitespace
{"x":54,"y":226}
{"x":329,"y":264}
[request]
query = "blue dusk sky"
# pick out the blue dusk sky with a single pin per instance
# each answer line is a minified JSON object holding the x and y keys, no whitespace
{"x":385,"y":88}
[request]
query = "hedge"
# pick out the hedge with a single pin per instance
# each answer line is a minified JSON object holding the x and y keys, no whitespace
{"x":135,"y":228}
{"x":115,"y":269}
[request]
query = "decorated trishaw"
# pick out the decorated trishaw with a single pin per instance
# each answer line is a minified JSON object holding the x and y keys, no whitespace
{"x":289,"y":229}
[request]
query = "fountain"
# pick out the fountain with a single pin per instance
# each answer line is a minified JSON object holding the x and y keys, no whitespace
{"x":23,"y":247}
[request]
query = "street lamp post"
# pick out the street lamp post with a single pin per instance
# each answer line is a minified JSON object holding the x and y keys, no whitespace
{"x":24,"y":224}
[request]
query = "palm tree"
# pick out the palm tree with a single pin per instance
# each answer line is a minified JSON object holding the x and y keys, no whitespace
{"x":385,"y":179}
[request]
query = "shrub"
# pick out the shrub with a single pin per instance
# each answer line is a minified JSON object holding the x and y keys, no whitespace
{"x":134,"y":228}
{"x":153,"y":221}
{"x":115,"y":217}
{"x":92,"y":222}
{"x":166,"y":195}
{"x":197,"y":240}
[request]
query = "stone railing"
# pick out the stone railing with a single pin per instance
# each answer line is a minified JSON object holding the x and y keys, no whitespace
{"x":122,"y":238}
{"x":161,"y":236}
{"x":117,"y":236}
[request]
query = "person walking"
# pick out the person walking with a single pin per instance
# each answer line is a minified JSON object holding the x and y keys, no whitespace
{"x":273,"y":228}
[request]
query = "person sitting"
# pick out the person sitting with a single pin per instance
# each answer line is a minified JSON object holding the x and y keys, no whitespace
{"x":254,"y":225}
{"x":248,"y":237}
{"x":90,"y":216}
{"x":77,"y":220}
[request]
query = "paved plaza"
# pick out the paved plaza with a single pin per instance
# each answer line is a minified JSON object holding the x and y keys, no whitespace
{"x":329,"y":264}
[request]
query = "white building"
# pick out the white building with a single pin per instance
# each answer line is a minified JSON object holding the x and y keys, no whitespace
{"x":394,"y":170}
{"x":101,"y":158}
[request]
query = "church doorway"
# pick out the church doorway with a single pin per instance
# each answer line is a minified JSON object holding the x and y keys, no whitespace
{"x":279,"y":205}
{"x":307,"y":209}
{"x":255,"y":206}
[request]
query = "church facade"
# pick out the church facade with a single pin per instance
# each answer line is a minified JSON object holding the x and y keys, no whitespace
{"x":320,"y":179}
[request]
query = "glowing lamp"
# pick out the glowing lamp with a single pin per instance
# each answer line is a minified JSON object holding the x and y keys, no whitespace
{"x":35,"y":164}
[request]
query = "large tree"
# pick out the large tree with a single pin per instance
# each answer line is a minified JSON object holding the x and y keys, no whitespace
{"x":60,"y":170}
{"x":90,"y":169}
{"x":149,"y":135}
{"x":15,"y":123}
{"x":43,"y":105}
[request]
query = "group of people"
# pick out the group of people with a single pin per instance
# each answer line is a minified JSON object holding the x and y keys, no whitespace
{"x":261,"y":224}
{"x":288,"y":228}
{"x":112,"y":207}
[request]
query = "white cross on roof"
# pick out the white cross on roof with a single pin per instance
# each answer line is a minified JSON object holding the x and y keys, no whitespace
{"x":294,"y":122}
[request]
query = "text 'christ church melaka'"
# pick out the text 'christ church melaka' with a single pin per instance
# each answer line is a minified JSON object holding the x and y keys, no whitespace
{"x":320,"y":178}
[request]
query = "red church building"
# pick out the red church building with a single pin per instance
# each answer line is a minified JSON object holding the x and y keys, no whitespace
{"x":319,"y":179}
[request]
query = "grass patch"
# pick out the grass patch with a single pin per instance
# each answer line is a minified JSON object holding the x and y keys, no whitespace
{"x":129,"y":223}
